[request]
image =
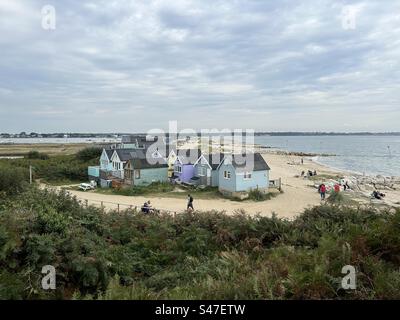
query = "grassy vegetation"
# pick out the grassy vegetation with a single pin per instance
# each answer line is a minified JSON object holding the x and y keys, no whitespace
{"x":163,"y":189}
{"x":154,"y":188}
{"x":208,"y":255}
{"x":47,"y":148}
{"x":323,"y":177}
{"x":54,"y":169}
{"x":257,"y":195}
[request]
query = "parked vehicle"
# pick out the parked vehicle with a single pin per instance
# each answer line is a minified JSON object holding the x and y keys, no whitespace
{"x":86,"y":186}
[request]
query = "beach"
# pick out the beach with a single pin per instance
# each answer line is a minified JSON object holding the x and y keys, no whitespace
{"x":297,"y":193}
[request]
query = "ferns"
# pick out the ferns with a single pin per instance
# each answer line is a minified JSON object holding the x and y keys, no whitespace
{"x":208,"y":255}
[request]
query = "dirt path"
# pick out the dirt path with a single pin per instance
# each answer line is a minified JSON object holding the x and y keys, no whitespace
{"x":298,"y":193}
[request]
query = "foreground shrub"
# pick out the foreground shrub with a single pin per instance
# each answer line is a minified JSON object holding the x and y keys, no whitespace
{"x":209,"y":255}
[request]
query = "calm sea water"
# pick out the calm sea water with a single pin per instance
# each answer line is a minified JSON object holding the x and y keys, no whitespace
{"x":371,"y":155}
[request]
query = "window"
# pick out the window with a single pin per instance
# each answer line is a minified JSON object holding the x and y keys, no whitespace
{"x":247,"y":175}
{"x":137,"y":174}
{"x":227,"y":174}
{"x":202,"y":171}
{"x":178,"y":169}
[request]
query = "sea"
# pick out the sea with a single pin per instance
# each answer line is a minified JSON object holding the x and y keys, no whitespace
{"x":369,"y":155}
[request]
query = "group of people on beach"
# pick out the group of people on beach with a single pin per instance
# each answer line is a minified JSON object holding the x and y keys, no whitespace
{"x":147,"y":208}
{"x":309,"y":173}
{"x":322,"y":188}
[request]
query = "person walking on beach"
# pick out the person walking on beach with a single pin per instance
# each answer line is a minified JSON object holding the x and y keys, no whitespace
{"x":190,"y":203}
{"x":322,"y":191}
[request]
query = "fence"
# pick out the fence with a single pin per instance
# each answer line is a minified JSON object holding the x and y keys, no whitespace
{"x":107,"y":205}
{"x":277,"y":183}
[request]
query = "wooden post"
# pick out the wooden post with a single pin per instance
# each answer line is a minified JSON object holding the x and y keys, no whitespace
{"x":30,"y":174}
{"x":118,"y":207}
{"x":102,"y":206}
{"x":87,"y":202}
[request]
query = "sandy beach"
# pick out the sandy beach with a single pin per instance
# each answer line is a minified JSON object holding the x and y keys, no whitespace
{"x":298,"y":193}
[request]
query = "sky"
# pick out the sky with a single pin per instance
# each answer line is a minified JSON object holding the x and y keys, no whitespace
{"x":132,"y":66}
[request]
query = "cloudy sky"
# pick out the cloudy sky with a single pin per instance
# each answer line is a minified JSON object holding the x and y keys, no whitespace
{"x":132,"y":65}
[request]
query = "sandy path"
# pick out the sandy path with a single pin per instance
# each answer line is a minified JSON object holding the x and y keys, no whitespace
{"x":298,"y":194}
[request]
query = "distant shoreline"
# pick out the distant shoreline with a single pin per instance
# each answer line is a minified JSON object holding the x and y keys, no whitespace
{"x":116,"y":135}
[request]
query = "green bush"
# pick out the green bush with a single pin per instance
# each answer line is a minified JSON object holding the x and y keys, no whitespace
{"x":155,"y":187}
{"x":257,"y":195}
{"x":53,"y":169}
{"x":202,"y":255}
{"x":88,"y":154}
{"x":13,"y":180}
{"x":37,"y":155}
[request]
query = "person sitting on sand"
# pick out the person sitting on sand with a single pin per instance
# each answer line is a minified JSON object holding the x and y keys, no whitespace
{"x":315,"y":172}
{"x":146,"y":207}
{"x":378,"y":195}
{"x":302,"y":174}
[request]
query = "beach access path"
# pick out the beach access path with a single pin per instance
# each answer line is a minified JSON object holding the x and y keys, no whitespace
{"x":298,"y":193}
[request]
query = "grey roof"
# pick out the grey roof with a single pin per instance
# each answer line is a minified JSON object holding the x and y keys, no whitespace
{"x":214,"y":159}
{"x":189,"y":156}
{"x":109,"y":152}
{"x":124,"y":154}
{"x":140,"y":161}
{"x":258,"y":164}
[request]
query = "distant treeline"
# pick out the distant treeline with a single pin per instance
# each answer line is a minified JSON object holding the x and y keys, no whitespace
{"x":327,"y":133}
{"x":113,"y":135}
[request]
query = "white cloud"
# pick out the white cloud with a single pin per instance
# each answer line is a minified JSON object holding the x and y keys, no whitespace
{"x":247,"y":63}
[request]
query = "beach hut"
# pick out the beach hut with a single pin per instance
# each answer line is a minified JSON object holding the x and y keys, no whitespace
{"x":240,"y":173}
{"x":171,"y":158}
{"x":184,"y":165}
{"x":142,"y":170}
{"x":105,"y":159}
{"x":95,"y":172}
{"x":206,"y":169}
